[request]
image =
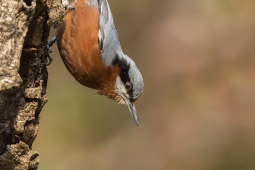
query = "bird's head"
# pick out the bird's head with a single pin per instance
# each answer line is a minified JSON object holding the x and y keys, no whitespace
{"x":126,"y":85}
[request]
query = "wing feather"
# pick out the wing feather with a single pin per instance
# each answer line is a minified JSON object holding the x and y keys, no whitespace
{"x":107,"y":36}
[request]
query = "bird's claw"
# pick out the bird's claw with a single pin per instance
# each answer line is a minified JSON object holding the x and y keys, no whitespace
{"x":48,"y":60}
{"x":50,"y":42}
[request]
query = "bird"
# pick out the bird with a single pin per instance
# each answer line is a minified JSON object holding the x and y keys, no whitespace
{"x":89,"y":46}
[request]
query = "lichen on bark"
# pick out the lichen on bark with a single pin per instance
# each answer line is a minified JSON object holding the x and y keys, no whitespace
{"x":15,"y":16}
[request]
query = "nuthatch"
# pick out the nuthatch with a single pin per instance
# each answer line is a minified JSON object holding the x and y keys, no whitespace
{"x":89,"y":46}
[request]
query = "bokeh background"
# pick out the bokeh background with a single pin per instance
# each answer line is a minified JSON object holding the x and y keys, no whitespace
{"x":197,"y":111}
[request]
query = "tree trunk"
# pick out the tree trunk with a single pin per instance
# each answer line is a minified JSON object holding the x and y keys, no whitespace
{"x":24,"y":31}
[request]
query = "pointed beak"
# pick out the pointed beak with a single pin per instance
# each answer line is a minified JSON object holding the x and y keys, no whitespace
{"x":132,"y":110}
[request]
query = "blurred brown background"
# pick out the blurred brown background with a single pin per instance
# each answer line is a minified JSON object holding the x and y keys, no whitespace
{"x":197,"y":111}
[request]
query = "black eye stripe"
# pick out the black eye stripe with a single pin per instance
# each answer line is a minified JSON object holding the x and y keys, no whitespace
{"x":124,"y":68}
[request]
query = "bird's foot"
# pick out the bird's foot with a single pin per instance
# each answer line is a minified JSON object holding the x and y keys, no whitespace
{"x":50,"y":43}
{"x":48,"y":60}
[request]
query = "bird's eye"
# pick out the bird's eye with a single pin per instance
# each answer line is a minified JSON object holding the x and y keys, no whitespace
{"x":128,"y":85}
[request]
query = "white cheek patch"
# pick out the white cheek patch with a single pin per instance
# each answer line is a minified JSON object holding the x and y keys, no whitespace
{"x":121,"y":91}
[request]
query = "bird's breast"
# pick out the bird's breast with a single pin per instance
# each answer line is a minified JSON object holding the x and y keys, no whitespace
{"x":77,"y":39}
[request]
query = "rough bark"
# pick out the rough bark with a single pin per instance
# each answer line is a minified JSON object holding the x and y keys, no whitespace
{"x":24,"y":31}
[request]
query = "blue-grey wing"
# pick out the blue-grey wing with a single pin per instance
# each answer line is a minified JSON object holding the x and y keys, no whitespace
{"x":108,"y":37}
